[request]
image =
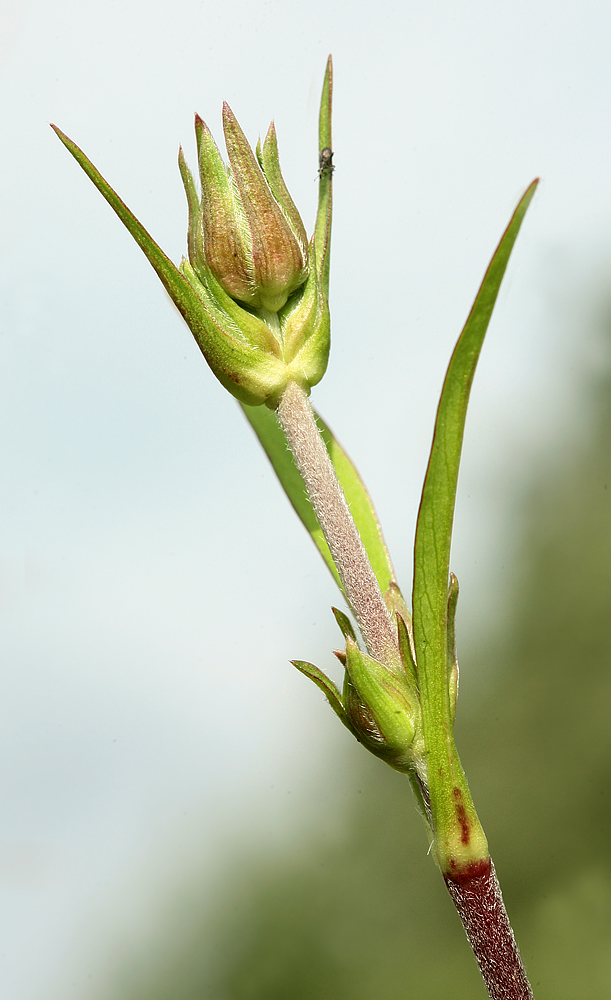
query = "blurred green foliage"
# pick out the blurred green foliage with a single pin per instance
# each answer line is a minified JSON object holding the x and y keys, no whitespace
{"x":364,"y":914}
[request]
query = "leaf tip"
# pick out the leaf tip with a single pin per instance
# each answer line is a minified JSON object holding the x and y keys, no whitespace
{"x":58,"y":132}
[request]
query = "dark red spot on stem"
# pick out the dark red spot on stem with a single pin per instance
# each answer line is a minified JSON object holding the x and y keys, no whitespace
{"x":461,"y":815}
{"x":467,"y":873}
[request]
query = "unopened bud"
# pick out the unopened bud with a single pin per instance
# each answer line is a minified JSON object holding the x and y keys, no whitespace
{"x":254,"y":244}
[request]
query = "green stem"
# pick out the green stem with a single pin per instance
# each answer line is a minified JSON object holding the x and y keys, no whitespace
{"x":463,"y":856}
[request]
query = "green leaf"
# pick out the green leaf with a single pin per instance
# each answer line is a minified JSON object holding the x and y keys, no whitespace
{"x":432,"y":556}
{"x":269,"y":432}
{"x":435,"y":518}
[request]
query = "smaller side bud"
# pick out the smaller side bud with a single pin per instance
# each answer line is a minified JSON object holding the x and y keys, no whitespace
{"x":381,"y":707}
{"x":378,"y":704}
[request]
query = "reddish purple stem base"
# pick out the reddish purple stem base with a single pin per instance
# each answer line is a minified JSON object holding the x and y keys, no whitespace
{"x":479,"y":902}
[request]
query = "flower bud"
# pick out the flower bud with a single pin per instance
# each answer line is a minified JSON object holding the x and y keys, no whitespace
{"x":379,"y":703}
{"x":380,"y":706}
{"x":253,"y":238}
{"x":251,"y":266}
{"x":253,"y":292}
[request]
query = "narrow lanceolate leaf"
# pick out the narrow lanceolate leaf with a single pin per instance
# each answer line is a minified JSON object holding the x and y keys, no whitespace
{"x":435,"y":518}
{"x":270,"y":434}
{"x":431,"y":570}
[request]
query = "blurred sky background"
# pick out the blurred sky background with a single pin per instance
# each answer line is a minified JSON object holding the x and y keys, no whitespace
{"x":153,"y":580}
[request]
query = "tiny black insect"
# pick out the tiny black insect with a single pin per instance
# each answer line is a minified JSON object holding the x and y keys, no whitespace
{"x":325,"y":161}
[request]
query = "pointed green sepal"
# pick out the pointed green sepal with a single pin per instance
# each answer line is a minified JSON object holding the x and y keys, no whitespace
{"x":245,"y":326}
{"x":194,"y":230}
{"x":306,"y":328}
{"x":226,"y":237}
{"x":345,"y":624}
{"x":174,"y":283}
{"x":328,"y":688}
{"x":253,"y":376}
{"x":245,"y":323}
{"x":400,"y":614}
{"x":453,"y":672}
{"x":322,"y":227}
{"x":406,"y":649}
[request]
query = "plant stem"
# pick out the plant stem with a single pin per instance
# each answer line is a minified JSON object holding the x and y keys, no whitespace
{"x":481,"y":909}
{"x":358,"y":579}
{"x":475,"y":893}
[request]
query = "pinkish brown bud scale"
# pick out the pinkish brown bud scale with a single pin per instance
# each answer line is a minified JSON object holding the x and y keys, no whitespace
{"x":253,"y":241}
